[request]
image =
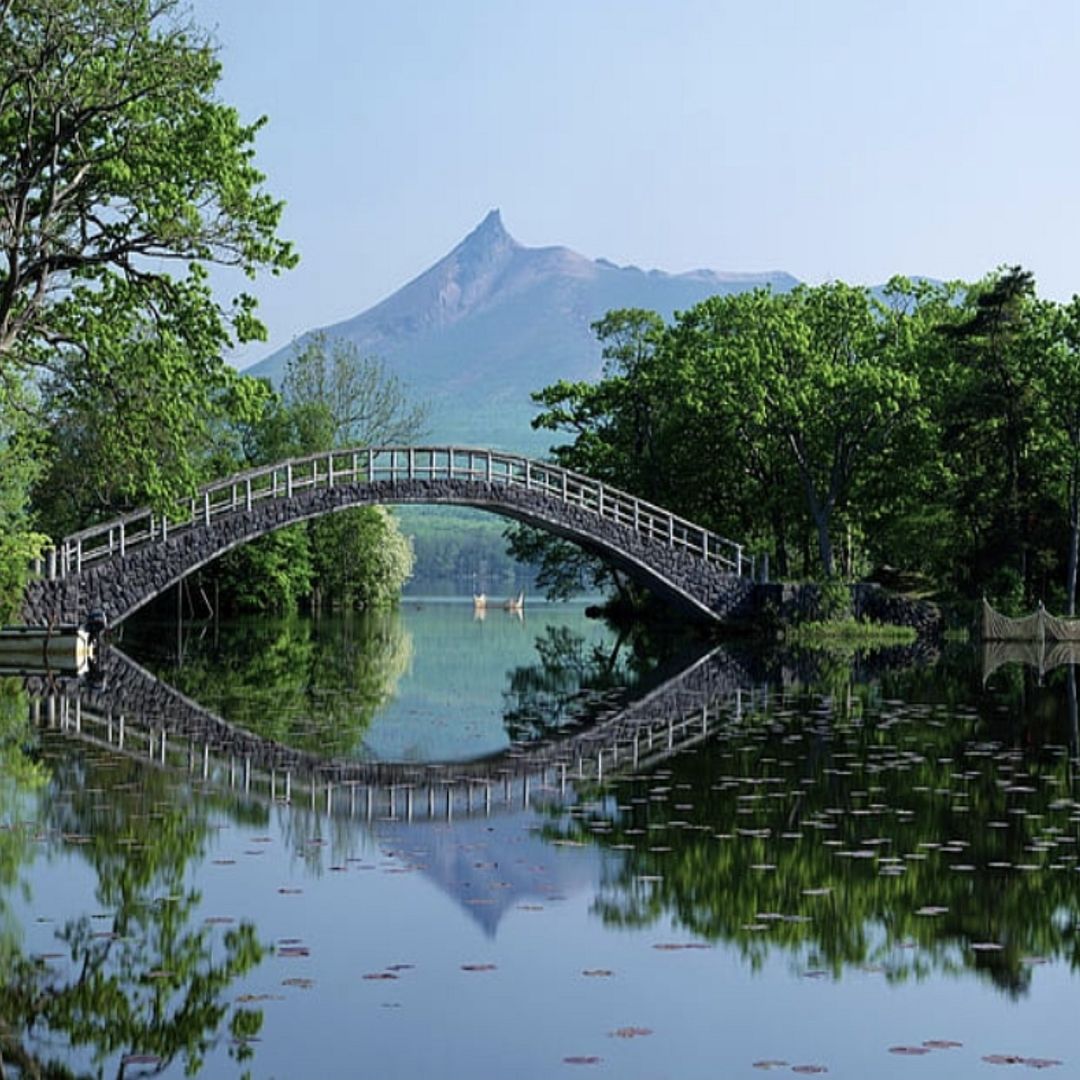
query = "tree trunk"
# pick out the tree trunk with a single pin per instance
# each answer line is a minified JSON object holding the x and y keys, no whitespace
{"x":780,"y":543}
{"x":821,"y":515}
{"x":1074,"y":722}
{"x":824,"y":543}
{"x":1074,"y":541}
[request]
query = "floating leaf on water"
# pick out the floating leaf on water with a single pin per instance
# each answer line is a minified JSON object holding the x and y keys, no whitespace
{"x":1016,"y":1059}
{"x":294,"y":950}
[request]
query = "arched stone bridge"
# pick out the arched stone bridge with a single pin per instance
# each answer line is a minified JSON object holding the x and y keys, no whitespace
{"x":119,"y":566}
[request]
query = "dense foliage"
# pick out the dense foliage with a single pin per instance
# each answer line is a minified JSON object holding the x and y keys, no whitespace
{"x":331,"y":397}
{"x":123,"y":180}
{"x":931,"y":429}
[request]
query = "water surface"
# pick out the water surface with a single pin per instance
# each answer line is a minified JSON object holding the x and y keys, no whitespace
{"x":873,"y":876}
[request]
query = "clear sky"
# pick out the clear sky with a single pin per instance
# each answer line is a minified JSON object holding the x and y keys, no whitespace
{"x":848,"y":139}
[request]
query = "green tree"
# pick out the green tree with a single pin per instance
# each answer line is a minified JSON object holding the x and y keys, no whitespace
{"x":1063,"y":398}
{"x":123,"y":178}
{"x":348,"y":399}
{"x":824,"y":378}
{"x":989,"y":430}
{"x":18,"y":468}
{"x":331,"y":397}
{"x":746,"y":408}
{"x":361,"y":558}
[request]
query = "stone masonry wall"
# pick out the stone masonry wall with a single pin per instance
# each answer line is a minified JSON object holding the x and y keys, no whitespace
{"x":787,"y":604}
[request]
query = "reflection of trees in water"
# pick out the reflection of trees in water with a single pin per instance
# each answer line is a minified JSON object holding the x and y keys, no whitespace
{"x":575,"y":679}
{"x":310,"y":684}
{"x":19,"y":776}
{"x":570,"y":676}
{"x":143,"y":979}
{"x":895,"y":836}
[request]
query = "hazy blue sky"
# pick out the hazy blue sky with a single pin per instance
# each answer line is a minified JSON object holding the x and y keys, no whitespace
{"x":846,"y":139}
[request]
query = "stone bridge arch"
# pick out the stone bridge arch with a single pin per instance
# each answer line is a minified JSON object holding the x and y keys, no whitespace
{"x":119,"y":566}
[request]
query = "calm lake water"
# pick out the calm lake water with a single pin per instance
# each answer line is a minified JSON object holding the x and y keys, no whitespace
{"x":868,"y":869}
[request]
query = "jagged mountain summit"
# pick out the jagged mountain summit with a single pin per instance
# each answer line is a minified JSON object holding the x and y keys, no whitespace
{"x":494,"y":320}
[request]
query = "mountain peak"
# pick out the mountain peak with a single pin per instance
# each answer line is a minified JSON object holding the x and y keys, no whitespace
{"x":489,"y":235}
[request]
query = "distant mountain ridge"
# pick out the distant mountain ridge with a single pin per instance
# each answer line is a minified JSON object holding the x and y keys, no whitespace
{"x":494,"y":320}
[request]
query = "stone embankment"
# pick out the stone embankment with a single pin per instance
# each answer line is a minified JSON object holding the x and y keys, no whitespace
{"x":783,"y":604}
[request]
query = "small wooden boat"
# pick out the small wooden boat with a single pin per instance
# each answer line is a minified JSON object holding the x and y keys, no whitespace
{"x":515,"y":603}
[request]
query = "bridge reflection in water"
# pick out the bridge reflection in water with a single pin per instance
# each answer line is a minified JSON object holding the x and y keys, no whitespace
{"x":128,"y":710}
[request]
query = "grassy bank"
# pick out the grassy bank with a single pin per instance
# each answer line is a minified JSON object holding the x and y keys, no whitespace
{"x":847,"y":632}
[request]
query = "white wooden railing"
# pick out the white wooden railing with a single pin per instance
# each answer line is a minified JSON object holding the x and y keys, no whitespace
{"x":389,"y":464}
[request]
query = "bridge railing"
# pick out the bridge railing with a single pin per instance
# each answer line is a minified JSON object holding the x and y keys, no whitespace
{"x":390,"y":465}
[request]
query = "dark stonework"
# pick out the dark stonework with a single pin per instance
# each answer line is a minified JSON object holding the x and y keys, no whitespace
{"x":119,"y":586}
{"x":790,"y":604}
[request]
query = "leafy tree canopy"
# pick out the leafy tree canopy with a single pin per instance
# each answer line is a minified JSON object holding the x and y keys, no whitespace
{"x":122,"y":179}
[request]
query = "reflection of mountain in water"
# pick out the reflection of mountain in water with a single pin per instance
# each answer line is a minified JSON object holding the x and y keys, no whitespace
{"x":492,"y":867}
